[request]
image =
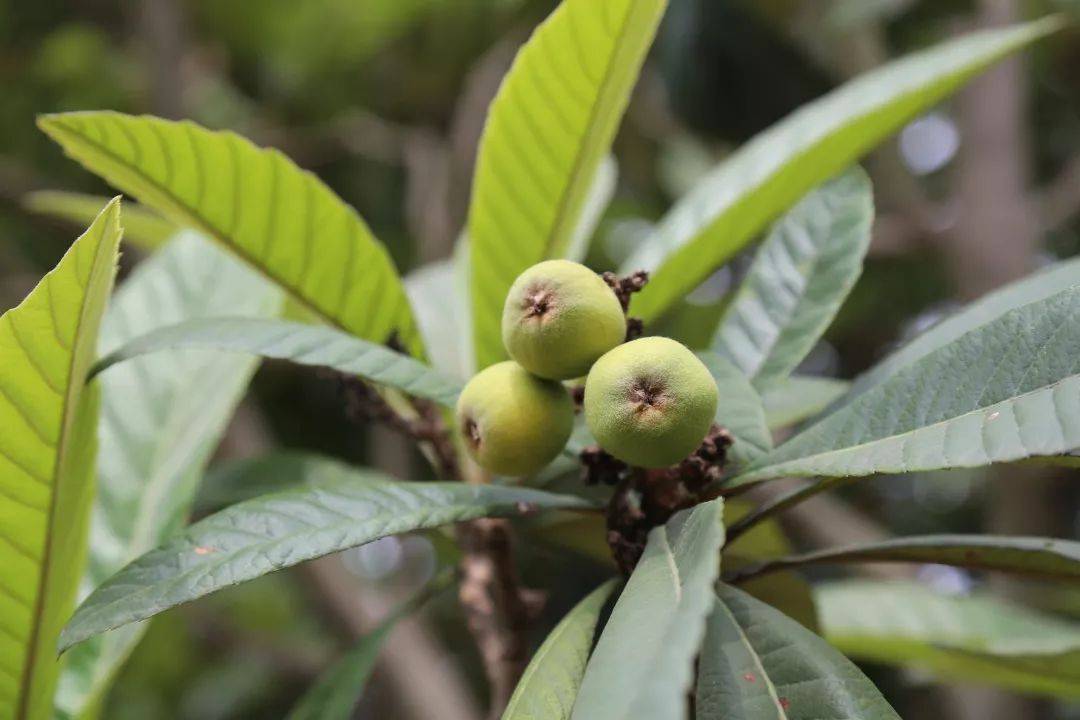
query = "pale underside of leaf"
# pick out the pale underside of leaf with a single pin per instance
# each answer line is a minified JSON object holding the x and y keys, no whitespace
{"x":973,"y":638}
{"x":597,"y":200}
{"x":47,"y":450}
{"x":161,"y":419}
{"x":642,"y":666}
{"x":771,"y":172}
{"x":801,"y":275}
{"x":333,"y":507}
{"x":433,"y":291}
{"x":1007,"y":390}
{"x":312,"y":345}
{"x":1034,"y":556}
{"x":548,"y":130}
{"x":282,"y":220}
{"x":550,"y":683}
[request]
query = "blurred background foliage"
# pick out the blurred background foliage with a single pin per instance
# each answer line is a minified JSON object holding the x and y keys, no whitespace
{"x":385,"y":100}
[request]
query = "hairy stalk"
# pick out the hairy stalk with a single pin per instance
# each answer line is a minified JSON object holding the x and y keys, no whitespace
{"x":498,"y":609}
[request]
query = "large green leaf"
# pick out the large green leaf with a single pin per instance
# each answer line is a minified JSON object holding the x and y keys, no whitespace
{"x":758,"y":664}
{"x":331,"y":508}
{"x":771,"y":172}
{"x":161,"y":419}
{"x":803,"y":272}
{"x":643,"y":665}
{"x":142,"y":227}
{"x":1038,"y":286}
{"x":740,"y":411}
{"x":282,"y":220}
{"x":550,"y":684}
{"x":799,"y":398}
{"x":1009,"y":389}
{"x":1039,"y":557}
{"x":48,"y":417}
{"x":976,"y":638}
{"x":336,"y":692}
{"x":316,"y":345}
{"x":547,"y":131}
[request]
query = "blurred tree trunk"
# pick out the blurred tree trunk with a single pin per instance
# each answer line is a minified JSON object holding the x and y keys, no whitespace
{"x":995,"y":241}
{"x":162,"y":34}
{"x":997,"y":234}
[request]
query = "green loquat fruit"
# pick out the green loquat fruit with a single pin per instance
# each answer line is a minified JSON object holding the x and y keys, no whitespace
{"x":559,"y":318}
{"x":650,"y":402}
{"x":513,"y":423}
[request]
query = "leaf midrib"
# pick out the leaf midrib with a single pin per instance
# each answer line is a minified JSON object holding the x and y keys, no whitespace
{"x":190,"y":216}
{"x":384,"y":517}
{"x":71,"y":395}
{"x":564,"y":224}
{"x":773,"y":695}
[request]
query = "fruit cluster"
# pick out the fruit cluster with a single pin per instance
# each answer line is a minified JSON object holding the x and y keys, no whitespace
{"x":648,"y":402}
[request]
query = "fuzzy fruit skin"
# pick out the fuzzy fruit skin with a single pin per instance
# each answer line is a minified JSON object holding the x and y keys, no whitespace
{"x":511,"y":422}
{"x":650,"y":402}
{"x":559,"y":318}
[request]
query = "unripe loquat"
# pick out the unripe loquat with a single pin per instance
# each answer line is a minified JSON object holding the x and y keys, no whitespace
{"x":559,"y":318}
{"x":650,"y":402}
{"x":512,"y":422}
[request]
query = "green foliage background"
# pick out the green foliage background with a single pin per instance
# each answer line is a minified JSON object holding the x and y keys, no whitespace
{"x":377,"y":97}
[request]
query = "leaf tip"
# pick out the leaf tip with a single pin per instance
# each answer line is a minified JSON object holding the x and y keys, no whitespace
{"x":1052,"y":23}
{"x":110,"y":215}
{"x":67,"y":640}
{"x":51,"y":123}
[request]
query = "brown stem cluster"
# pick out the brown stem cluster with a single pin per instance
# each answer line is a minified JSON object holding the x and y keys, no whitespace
{"x":426,"y":427}
{"x":624,"y":288}
{"x":644,"y":498}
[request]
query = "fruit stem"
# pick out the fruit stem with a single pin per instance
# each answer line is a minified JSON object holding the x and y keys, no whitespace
{"x":498,"y":609}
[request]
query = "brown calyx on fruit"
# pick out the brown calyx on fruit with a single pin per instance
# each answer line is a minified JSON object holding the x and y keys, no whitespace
{"x":471,"y":431}
{"x":577,"y":394}
{"x":538,"y":302}
{"x":648,"y":395}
